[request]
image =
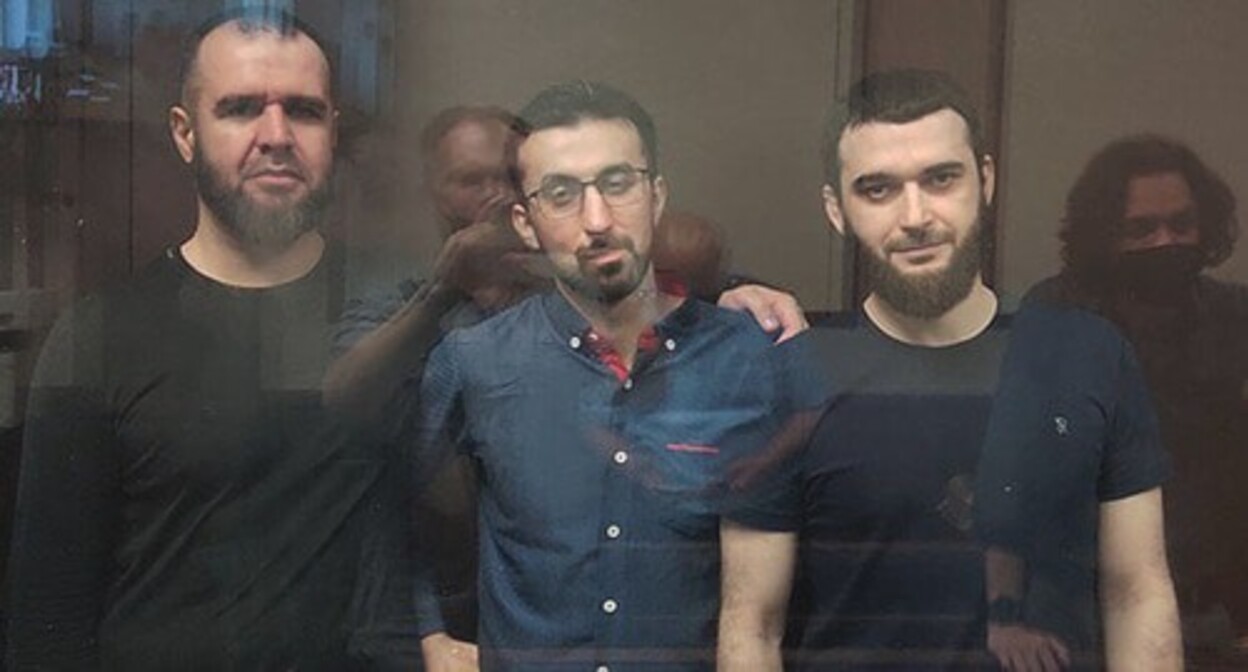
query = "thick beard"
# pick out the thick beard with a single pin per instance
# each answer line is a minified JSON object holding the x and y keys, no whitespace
{"x":255,"y":225}
{"x":929,"y":295}
{"x":617,"y":287}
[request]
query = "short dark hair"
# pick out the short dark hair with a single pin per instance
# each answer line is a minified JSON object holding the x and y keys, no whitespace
{"x":1097,"y":202}
{"x":572,"y":102}
{"x":250,"y":19}
{"x":443,"y":122}
{"x":897,"y":97}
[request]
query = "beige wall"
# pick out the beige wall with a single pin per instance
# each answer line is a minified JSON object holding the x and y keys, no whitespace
{"x":737,"y":87}
{"x":1082,"y":73}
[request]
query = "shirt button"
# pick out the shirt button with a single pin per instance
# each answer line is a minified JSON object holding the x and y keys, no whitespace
{"x":575,"y":342}
{"x":628,"y":384}
{"x":613,"y":531}
{"x":610,"y":606}
{"x":620,"y":457}
{"x":670,"y":344}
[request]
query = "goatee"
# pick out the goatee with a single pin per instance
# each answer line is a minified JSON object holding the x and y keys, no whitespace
{"x":929,"y":295}
{"x":611,"y":283}
{"x":252,"y":224}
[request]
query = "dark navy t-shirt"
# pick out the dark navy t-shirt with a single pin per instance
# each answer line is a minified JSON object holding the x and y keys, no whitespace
{"x":889,"y":575}
{"x":1072,"y":427}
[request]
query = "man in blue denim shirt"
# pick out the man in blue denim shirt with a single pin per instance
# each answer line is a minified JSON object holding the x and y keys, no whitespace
{"x":604,"y":416}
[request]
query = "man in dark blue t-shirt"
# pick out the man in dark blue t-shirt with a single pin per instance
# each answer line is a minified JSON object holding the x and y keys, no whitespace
{"x":876,"y":515}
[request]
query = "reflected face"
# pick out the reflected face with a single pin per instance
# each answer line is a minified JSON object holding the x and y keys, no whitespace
{"x":912,"y":195}
{"x":1159,"y":211}
{"x":260,"y":134}
{"x":469,"y":180}
{"x":601,"y":252}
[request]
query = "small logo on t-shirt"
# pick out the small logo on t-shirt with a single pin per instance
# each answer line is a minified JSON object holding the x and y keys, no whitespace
{"x":1061,"y":425}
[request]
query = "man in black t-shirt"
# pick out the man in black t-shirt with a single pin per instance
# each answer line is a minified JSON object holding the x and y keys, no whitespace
{"x":185,"y":501}
{"x":876,"y":512}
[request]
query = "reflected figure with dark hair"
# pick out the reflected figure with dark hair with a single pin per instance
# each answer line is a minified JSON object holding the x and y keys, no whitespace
{"x":1143,"y":221}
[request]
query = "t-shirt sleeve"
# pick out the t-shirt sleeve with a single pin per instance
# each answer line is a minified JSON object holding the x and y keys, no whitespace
{"x":1134,"y":460}
{"x":68,"y":503}
{"x":765,"y":487}
{"x":392,"y":609}
{"x":765,"y":492}
{"x":1072,"y":425}
{"x":361,"y":316}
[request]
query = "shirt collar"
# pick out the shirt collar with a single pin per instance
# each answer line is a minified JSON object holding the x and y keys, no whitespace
{"x":572,"y":327}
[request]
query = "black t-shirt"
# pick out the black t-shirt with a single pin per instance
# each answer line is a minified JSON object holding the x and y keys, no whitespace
{"x":1194,"y":355}
{"x":185,"y":501}
{"x":889,"y":575}
{"x":1072,"y":427}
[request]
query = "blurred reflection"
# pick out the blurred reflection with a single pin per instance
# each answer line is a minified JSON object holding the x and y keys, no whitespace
{"x":1144,"y":219}
{"x":185,"y":503}
{"x":692,"y":248}
{"x":464,"y":150}
{"x":482,"y":268}
{"x":601,"y":414}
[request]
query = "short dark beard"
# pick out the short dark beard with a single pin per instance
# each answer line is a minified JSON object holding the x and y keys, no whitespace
{"x":251,"y":224}
{"x":929,"y":295}
{"x":611,"y":293}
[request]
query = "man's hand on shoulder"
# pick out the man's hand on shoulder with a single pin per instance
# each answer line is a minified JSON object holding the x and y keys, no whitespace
{"x":1023,"y":649}
{"x":775,"y":311}
{"x":444,"y":654}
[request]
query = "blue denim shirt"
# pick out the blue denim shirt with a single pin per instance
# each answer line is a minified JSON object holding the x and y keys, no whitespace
{"x":600,"y":496}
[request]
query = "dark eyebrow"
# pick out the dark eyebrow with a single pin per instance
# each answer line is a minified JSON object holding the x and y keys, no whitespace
{"x":228,"y":104}
{"x":946,"y":167}
{"x":311,"y":103}
{"x":873,"y":180}
{"x":623,"y":165}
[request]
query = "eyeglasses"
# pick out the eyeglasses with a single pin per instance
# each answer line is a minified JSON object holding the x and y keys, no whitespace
{"x":562,"y":196}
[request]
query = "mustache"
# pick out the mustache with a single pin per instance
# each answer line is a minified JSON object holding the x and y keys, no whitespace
{"x":921,"y":238}
{"x":287,"y":166}
{"x":603,"y":244}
